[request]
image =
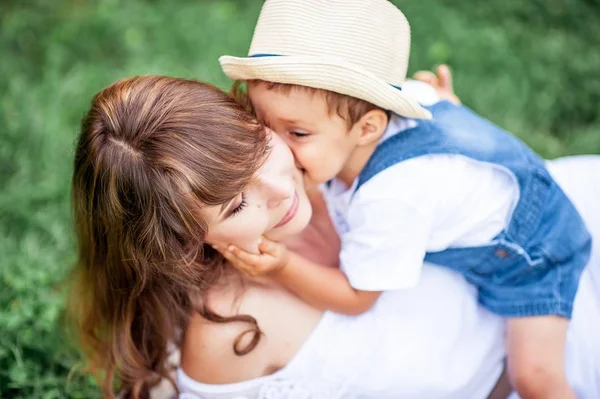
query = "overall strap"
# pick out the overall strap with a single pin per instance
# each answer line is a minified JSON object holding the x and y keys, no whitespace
{"x":458,"y":130}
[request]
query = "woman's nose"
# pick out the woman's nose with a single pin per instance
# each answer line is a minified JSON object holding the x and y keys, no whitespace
{"x":276,"y":189}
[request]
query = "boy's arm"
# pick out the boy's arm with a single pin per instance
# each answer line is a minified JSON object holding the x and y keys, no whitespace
{"x":324,"y":287}
{"x":321,"y":286}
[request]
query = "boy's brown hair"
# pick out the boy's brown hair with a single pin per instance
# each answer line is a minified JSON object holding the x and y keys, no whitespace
{"x":349,"y":108}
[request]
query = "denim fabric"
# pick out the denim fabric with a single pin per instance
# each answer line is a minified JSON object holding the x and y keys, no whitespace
{"x":533,"y":266}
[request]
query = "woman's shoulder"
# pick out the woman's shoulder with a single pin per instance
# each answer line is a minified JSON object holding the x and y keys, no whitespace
{"x":208,"y":348}
{"x":208,"y":353}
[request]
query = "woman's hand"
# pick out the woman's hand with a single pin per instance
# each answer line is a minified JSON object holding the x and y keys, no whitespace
{"x":272,"y":258}
{"x":441,"y":81}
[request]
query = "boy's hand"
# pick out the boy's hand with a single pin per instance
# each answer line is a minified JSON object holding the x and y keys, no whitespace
{"x":273,"y":258}
{"x":441,"y":81}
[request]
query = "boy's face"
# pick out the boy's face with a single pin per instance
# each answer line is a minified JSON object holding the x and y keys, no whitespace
{"x":320,"y":141}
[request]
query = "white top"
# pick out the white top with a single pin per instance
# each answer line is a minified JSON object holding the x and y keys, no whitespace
{"x":432,"y":341}
{"x":427,"y":203}
{"x":579,"y":177}
{"x":437,"y":349}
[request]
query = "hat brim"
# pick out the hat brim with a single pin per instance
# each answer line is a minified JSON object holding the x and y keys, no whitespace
{"x":328,"y":73}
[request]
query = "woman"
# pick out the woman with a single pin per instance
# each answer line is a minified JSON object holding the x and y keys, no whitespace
{"x":164,"y":169}
{"x":162,"y":166}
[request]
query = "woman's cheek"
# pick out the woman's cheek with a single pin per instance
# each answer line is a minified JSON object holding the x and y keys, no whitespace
{"x":297,"y":224}
{"x":244,"y":236}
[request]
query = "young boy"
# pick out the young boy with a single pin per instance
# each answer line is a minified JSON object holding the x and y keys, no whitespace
{"x":455,"y":191}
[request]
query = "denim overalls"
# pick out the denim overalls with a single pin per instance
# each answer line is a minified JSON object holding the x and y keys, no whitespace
{"x":533,"y":266}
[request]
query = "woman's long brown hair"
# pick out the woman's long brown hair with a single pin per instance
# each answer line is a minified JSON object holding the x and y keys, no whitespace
{"x":152,"y":151}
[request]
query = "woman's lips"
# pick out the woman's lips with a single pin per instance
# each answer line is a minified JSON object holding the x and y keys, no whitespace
{"x":291,"y":211}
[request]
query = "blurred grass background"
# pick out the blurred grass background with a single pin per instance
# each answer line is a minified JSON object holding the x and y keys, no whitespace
{"x":531,"y":66}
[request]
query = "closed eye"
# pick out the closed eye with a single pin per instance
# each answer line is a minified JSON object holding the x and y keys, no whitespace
{"x":299,"y":134}
{"x":243,"y":203}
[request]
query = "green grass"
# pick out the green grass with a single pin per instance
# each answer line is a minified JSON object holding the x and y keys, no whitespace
{"x":530,"y":66}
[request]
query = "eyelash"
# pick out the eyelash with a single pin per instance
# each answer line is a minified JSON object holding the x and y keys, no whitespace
{"x":240,"y":207}
{"x":299,"y":135}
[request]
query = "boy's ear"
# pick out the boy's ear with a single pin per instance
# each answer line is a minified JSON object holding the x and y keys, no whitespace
{"x":372,"y":125}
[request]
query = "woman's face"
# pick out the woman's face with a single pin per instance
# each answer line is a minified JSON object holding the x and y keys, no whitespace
{"x":275,"y":204}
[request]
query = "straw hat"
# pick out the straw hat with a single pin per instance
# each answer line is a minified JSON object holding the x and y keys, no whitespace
{"x":355,"y":47}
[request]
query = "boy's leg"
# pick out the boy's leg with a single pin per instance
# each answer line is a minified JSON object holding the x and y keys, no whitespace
{"x":536,"y":357}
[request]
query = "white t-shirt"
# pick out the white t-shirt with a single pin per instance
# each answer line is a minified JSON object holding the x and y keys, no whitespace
{"x":414,"y":343}
{"x":424,"y":204}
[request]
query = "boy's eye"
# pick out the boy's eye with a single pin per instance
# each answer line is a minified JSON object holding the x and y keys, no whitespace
{"x":299,"y":134}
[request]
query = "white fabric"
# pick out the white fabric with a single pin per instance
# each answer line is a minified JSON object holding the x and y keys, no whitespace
{"x":432,"y":341}
{"x":395,"y":350}
{"x":580,"y":179}
{"x":428,"y":203}
{"x":424,"y":93}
